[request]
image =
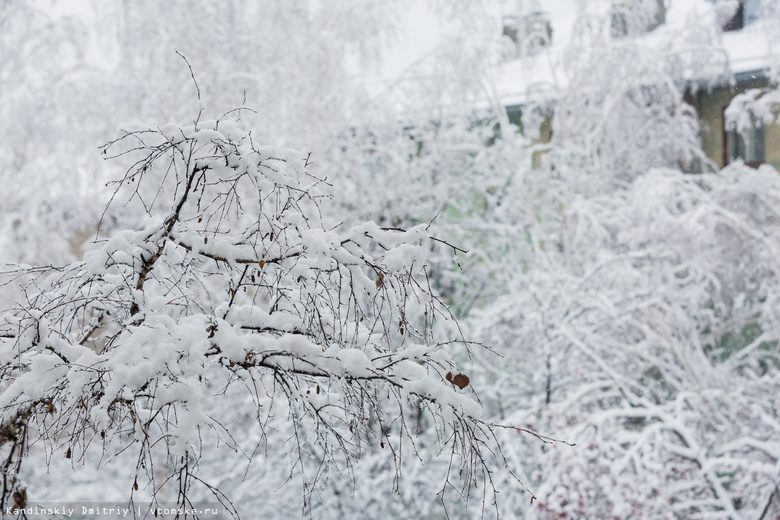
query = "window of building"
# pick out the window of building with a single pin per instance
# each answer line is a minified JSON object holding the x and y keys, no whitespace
{"x":530,"y":33}
{"x":619,"y":23}
{"x":747,"y":146}
{"x":537,"y":33}
{"x":511,"y":27}
{"x":633,"y":17}
{"x":737,"y":20}
{"x":747,"y":12}
{"x":752,"y":8}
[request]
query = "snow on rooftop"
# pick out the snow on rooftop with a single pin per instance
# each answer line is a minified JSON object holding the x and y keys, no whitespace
{"x":748,"y":49}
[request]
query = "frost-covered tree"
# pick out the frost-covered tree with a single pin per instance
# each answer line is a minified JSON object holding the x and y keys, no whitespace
{"x":288,"y":61}
{"x":232,"y":285}
{"x":642,"y":325}
{"x":72,"y":79}
{"x":649,"y":345}
{"x":631,"y":305}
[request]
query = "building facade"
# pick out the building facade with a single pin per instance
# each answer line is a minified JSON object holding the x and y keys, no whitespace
{"x":539,"y":37}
